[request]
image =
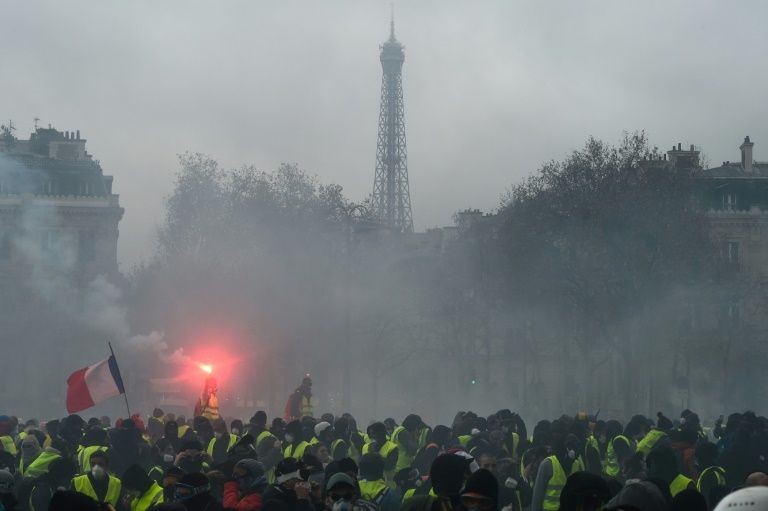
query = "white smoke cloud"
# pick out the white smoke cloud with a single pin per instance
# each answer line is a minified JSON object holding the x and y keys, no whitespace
{"x":156,"y":344}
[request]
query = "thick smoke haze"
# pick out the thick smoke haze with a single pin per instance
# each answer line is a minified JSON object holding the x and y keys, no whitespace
{"x":235,"y":131}
{"x":492,"y":88}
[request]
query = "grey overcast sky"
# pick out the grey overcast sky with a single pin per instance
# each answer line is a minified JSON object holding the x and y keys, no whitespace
{"x":492,"y":88}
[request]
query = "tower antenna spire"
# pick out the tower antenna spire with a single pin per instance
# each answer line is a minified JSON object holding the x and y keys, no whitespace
{"x":392,"y":22}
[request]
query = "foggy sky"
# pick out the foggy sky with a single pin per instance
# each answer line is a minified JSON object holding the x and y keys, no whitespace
{"x":492,"y":88}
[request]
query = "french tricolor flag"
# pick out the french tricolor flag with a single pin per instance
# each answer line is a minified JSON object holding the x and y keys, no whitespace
{"x":94,"y":384}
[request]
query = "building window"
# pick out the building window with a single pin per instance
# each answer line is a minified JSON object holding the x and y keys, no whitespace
{"x":730,"y":252}
{"x":87,"y":246}
{"x":729,"y":201}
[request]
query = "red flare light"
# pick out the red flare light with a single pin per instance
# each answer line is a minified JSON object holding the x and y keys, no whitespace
{"x":206,"y":368}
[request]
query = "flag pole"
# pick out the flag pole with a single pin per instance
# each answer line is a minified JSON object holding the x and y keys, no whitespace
{"x":125,"y":394}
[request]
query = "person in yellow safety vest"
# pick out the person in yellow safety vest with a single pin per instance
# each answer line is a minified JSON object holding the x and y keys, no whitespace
{"x":373,"y":487}
{"x":222,"y":442}
{"x":655,"y":436}
{"x":323,"y":434}
{"x":618,"y":451}
{"x":340,"y":441}
{"x":94,"y":439}
{"x":98,"y":483}
{"x":141,"y":493}
{"x":388,"y":450}
{"x":42,"y":462}
{"x":662,"y":464}
{"x":184,"y":428}
{"x":299,"y":403}
{"x":554,"y":470}
{"x":268,"y":447}
{"x":406,"y":439}
{"x":422,"y":436}
{"x":30,"y":449}
{"x":295,"y":445}
{"x":712,"y":476}
{"x":208,"y":404}
{"x":156,"y":424}
{"x":7,"y":443}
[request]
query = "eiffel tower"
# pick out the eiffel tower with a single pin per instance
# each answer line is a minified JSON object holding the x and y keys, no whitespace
{"x":391,"y":193}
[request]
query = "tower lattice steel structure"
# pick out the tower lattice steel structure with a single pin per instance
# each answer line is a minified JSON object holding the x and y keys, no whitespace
{"x":391,"y":193}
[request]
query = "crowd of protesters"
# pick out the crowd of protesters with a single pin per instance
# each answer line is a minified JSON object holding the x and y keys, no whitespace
{"x":477,"y":463}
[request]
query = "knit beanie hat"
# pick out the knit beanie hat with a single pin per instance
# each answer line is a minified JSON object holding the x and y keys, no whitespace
{"x":481,"y":485}
{"x":255,"y":468}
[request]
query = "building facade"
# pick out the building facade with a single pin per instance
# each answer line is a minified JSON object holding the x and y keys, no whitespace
{"x":57,"y":209}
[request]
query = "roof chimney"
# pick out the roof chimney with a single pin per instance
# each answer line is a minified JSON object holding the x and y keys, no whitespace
{"x":746,"y":154}
{"x":78,"y":134}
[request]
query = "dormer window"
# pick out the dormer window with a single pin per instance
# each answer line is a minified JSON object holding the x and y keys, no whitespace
{"x":729,"y":201}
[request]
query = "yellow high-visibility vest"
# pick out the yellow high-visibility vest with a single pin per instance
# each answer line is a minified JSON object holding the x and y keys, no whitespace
{"x":554,"y":486}
{"x":611,"y":464}
{"x":297,"y":451}
{"x":82,"y":484}
{"x":719,"y":476}
{"x":152,"y":497}
{"x":232,"y":441}
{"x":84,"y":455}
{"x":41,"y":464}
{"x":679,"y":484}
{"x":373,"y":491}
{"x":306,"y":406}
{"x":649,"y":441}
{"x":9,"y":445}
{"x":384,"y":451}
{"x":404,"y":459}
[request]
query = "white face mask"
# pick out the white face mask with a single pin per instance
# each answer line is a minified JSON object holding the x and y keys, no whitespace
{"x":289,"y":438}
{"x":217,"y":435}
{"x":98,"y":472}
{"x":168,"y":458}
{"x":571,"y":454}
{"x":235,"y":431}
